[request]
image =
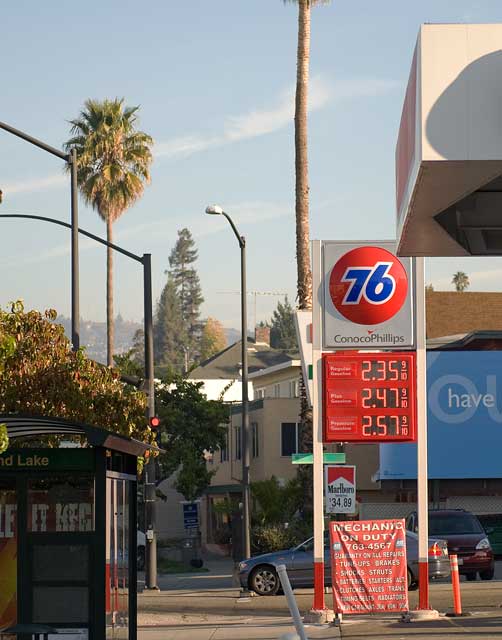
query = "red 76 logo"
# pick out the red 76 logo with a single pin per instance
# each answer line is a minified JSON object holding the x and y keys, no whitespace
{"x":368,"y":294}
{"x":375,"y":284}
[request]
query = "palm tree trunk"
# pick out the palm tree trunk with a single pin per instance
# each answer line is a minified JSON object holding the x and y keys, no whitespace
{"x":304,"y":274}
{"x":109,"y":295}
{"x":301,"y":158}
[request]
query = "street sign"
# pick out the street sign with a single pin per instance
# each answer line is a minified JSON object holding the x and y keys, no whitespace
{"x":366,"y":294}
{"x":368,"y":566}
{"x":308,"y":458}
{"x":369,"y":397}
{"x":340,"y":489}
{"x":190,"y":516}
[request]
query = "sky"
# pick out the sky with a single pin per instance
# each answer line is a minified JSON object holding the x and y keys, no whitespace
{"x":215,"y":85}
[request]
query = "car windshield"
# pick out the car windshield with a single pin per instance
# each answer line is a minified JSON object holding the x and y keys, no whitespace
{"x":453,"y":523}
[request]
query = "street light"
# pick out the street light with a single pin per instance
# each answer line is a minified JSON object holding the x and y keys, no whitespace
{"x":150,"y":480}
{"x":215,"y":210}
{"x":71,"y":159}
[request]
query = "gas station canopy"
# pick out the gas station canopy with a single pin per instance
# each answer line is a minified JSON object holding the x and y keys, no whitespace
{"x":449,"y":149}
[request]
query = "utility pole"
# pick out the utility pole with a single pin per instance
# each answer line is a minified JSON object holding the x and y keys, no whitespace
{"x":255,"y":294}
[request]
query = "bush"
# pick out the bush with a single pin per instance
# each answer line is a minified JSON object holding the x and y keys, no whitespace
{"x":278,"y":537}
{"x":271,"y":538}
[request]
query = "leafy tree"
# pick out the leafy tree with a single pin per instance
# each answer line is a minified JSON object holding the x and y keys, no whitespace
{"x":283,"y":330}
{"x":169,"y":334}
{"x":213,"y":339}
{"x":191,"y":427}
{"x":113,"y":160}
{"x":461,"y":281}
{"x":277,"y":503}
{"x":41,"y":375}
{"x":187,"y":284}
{"x":132,"y":362}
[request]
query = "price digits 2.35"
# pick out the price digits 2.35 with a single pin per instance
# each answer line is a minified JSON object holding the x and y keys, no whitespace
{"x":385,"y":370}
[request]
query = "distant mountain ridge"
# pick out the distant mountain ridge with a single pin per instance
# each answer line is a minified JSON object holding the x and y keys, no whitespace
{"x":93,"y":335}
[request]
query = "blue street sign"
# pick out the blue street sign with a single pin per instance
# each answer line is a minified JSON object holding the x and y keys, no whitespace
{"x":190,"y":516}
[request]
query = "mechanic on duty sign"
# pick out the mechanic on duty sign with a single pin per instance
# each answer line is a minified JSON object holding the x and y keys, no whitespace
{"x":368,"y":566}
{"x":367,"y":296}
{"x":340,"y":489}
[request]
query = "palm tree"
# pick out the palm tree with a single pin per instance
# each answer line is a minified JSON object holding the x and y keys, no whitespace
{"x":461,"y":281}
{"x":304,"y":274}
{"x":112,"y":169}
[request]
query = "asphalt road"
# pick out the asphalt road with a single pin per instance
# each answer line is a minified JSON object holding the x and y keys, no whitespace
{"x":209,"y":597}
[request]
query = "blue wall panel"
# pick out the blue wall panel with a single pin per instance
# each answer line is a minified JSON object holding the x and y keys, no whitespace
{"x":464,"y":420}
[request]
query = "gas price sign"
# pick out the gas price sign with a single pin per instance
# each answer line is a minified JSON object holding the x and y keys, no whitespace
{"x":369,"y":397}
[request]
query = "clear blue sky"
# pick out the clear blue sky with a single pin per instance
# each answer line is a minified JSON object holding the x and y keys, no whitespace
{"x":215,"y":82}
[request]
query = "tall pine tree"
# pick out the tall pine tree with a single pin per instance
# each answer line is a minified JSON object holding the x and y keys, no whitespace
{"x":283,"y":331}
{"x":187,"y":285}
{"x":169,"y":336}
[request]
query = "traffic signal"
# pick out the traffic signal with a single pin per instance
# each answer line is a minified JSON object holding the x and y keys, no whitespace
{"x":154,"y":423}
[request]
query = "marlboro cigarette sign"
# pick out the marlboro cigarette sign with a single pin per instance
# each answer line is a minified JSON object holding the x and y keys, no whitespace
{"x":340,"y":489}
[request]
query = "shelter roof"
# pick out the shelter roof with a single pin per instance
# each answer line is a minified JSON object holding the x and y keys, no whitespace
{"x":23,"y":426}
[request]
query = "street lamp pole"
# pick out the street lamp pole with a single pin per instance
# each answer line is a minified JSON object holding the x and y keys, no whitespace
{"x":245,"y":439}
{"x":71,"y":160}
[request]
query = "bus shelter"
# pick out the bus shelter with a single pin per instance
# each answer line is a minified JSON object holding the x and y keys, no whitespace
{"x":68,"y":530}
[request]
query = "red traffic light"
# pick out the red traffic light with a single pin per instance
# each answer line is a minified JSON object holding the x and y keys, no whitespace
{"x":154,"y":422}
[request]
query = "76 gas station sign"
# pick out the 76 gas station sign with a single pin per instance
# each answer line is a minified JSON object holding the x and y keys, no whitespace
{"x":367,"y":297}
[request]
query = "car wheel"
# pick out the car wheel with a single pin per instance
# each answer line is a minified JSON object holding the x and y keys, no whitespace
{"x":141,"y":558}
{"x":264,"y":581}
{"x":412,"y":584}
{"x":470,"y":577}
{"x":487,"y":575}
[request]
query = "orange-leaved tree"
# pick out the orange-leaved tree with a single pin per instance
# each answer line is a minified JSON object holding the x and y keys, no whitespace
{"x":41,"y":375}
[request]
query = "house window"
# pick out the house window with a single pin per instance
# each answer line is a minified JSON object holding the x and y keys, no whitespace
{"x":238,"y":443}
{"x":224,"y":449}
{"x":290,"y":432}
{"x":293,"y":389}
{"x":254,"y":434}
{"x":260,"y":393}
{"x":277,"y":390}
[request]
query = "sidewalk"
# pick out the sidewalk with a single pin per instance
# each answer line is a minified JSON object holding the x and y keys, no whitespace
{"x":481,"y":626}
{"x":206,"y":606}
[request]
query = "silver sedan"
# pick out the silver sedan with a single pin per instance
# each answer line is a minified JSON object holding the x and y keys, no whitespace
{"x":259,"y":573}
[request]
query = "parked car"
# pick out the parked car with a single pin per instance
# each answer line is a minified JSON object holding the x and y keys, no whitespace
{"x":492,"y":524}
{"x":259,"y":573}
{"x":465,"y":537}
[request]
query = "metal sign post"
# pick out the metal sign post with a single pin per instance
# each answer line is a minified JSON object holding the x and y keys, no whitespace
{"x":317,"y":430}
{"x":422,"y":471}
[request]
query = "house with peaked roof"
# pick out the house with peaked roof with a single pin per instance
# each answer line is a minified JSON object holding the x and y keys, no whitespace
{"x":221,"y":374}
{"x":221,"y":378}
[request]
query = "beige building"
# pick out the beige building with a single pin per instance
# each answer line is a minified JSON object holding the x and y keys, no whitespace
{"x":274,"y":431}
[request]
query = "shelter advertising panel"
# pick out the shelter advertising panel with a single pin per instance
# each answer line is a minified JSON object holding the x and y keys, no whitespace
{"x":8,"y":554}
{"x":368,"y":565}
{"x":366,"y":296}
